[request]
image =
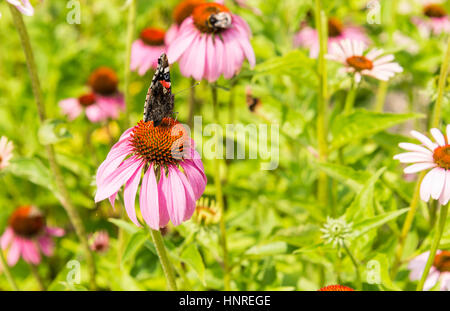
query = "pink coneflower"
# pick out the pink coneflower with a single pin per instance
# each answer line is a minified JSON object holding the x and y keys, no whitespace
{"x":24,"y":6}
{"x":434,"y":21}
{"x":27,"y":235}
{"x":6,"y":148}
{"x":212,"y":42}
{"x":356,"y":61}
{"x":146,"y":50}
{"x":100,"y":241}
{"x":440,"y":271}
{"x":307,"y":36}
{"x":160,"y":153}
{"x":429,"y":155}
{"x":182,"y":11}
{"x":103,"y":102}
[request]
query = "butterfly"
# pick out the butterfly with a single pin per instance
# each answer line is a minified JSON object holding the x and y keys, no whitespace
{"x":159,"y":100}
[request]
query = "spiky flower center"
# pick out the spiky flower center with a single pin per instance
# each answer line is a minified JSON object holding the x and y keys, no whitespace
{"x":335,"y":27}
{"x":206,"y":17}
{"x":360,"y":63}
{"x":104,"y":81}
{"x":442,"y":261}
{"x":86,"y":99}
{"x":336,"y":288}
{"x":153,"y":36}
{"x":27,"y":221}
{"x":163,"y":144}
{"x":434,"y":10}
{"x":441,"y":156}
{"x":184,"y":9}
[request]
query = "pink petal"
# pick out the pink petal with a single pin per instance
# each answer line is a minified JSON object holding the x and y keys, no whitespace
{"x":6,"y":238}
{"x":190,"y":198}
{"x":129,"y":194}
{"x":175,"y":197}
{"x":55,"y":231}
{"x":46,"y":245}
{"x":163,"y":212}
{"x":148,"y":199}
{"x":196,"y":178}
{"x":14,"y":251}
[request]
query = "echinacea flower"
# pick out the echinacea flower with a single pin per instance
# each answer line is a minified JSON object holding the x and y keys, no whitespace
{"x":429,"y":155}
{"x":27,"y":235}
{"x":146,"y":50}
{"x":337,"y":31}
{"x":439,"y":271}
{"x":336,"y":288}
{"x":100,"y":241}
{"x":212,"y":42}
{"x":182,"y":11}
{"x":352,"y":54}
{"x":174,"y":176}
{"x":104,"y":84}
{"x":6,"y":148}
{"x":435,"y":20}
{"x":95,"y":110}
{"x":24,"y":6}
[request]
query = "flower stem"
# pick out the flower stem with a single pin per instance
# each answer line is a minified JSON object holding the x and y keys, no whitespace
{"x":5,"y":269}
{"x":441,"y":87}
{"x":381,"y":96}
{"x":164,"y":259}
{"x":355,"y":264}
{"x":63,"y":194}
{"x":407,"y":225}
{"x":350,"y":99}
{"x":320,"y":19}
{"x":219,"y":199}
{"x":434,"y":246}
{"x":37,"y":277}
{"x":129,"y":41}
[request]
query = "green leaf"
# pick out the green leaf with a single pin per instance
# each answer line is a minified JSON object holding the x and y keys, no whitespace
{"x":128,"y":227}
{"x":363,"y":124}
{"x":378,"y":272}
{"x":192,"y":257}
{"x":362,"y":205}
{"x":345,"y":174}
{"x":134,"y":244}
{"x":33,"y":170}
{"x":366,"y":225}
{"x":52,"y":131}
{"x":270,"y":249}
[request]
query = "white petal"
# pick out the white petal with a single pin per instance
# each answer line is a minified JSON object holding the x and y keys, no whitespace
{"x":414,"y":147}
{"x":438,"y":136}
{"x":438,"y":182}
{"x":418,"y":167}
{"x":424,"y":140}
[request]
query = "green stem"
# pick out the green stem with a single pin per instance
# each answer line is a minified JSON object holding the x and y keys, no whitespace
{"x":37,"y":277}
{"x":164,"y":259}
{"x":441,"y":87}
{"x":434,"y":246}
{"x":192,"y":104}
{"x":63,"y":194}
{"x":129,"y":41}
{"x":350,"y":99}
{"x":320,"y":18}
{"x":5,"y":269}
{"x":381,"y":96}
{"x":407,"y":225}
{"x":219,"y":199}
{"x":355,"y":264}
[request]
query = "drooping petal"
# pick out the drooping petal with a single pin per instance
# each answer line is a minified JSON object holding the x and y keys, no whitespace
{"x":46,"y":245}
{"x":190,"y":197}
{"x":438,"y":182}
{"x":129,"y":194}
{"x":148,"y":199}
{"x":6,"y":238}
{"x":196,"y":178}
{"x":30,"y":252}
{"x":55,"y":231}
{"x":14,"y":251}
{"x":175,"y":197}
{"x":162,"y":186}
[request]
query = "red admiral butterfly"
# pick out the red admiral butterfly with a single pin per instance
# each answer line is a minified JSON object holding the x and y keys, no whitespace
{"x":159,"y":100}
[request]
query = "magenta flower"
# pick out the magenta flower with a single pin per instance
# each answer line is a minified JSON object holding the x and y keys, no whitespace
{"x":182,"y":11}
{"x":174,"y":176}
{"x":360,"y":63}
{"x":103,"y":102}
{"x":27,"y":235}
{"x":6,"y":148}
{"x":24,"y":6}
{"x":211,"y":42}
{"x":307,"y":36}
{"x":429,"y":155}
{"x":146,"y":50}
{"x":100,"y":241}
{"x":435,"y":20}
{"x":440,"y":271}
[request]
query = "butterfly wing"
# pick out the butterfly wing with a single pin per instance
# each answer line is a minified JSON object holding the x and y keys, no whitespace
{"x":159,"y":100}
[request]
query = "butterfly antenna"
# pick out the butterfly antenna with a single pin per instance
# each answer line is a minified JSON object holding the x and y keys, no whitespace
{"x":184,"y":90}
